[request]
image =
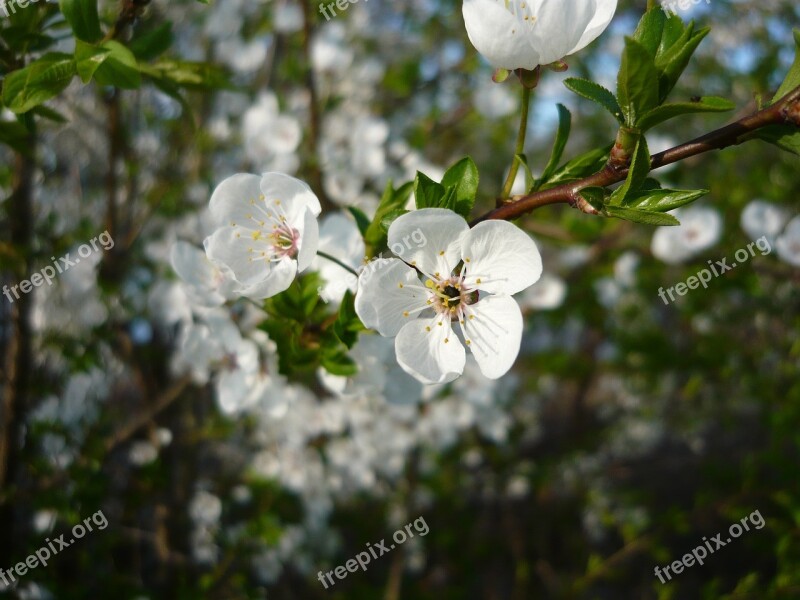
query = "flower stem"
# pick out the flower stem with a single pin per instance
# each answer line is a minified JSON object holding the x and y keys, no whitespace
{"x":338,"y":262}
{"x":520,"y":147}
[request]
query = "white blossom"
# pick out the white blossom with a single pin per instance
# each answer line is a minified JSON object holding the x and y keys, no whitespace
{"x":522,"y":34}
{"x":497,"y":260}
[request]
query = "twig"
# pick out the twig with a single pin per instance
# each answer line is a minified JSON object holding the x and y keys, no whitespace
{"x":785,"y":111}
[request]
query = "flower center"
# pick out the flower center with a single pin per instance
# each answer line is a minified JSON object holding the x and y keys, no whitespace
{"x":450,"y":296}
{"x":284,"y":240}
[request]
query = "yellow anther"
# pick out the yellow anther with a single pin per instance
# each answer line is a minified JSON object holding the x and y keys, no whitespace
{"x":446,"y":340}
{"x":441,"y":252}
{"x":256,"y":235}
{"x":400,"y":285}
{"x":405,"y":313}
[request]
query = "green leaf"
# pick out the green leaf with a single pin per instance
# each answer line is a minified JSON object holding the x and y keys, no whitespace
{"x":348,"y":325}
{"x":390,"y":218}
{"x":581,"y":166}
{"x":669,"y":111}
{"x":637,"y":174}
{"x":50,"y":114}
{"x":674,"y":61}
{"x":562,"y":135}
{"x":786,"y":137}
{"x":119,"y":69}
{"x":82,"y":17}
{"x":427,"y":192}
{"x":463,"y":176}
{"x":596,"y":93}
{"x":362,"y":220}
{"x":38,"y":82}
{"x":192,"y":75}
{"x":336,"y":362}
{"x":88,"y":58}
{"x":650,"y":30}
{"x":662,"y":200}
{"x":391,"y":200}
{"x":152,"y":44}
{"x":793,"y":77}
{"x":672,"y":32}
{"x":645,"y":217}
{"x":637,"y":83}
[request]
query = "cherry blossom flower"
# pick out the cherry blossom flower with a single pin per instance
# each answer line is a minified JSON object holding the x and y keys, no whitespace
{"x":469,"y":277}
{"x":268,"y":231}
{"x":206,"y":284}
{"x":523,"y":34}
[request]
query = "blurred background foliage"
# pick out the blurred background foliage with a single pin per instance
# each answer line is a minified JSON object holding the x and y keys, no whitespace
{"x":627,"y":431}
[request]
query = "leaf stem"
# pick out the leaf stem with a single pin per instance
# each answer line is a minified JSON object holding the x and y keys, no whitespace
{"x":338,"y":262}
{"x":520,"y":147}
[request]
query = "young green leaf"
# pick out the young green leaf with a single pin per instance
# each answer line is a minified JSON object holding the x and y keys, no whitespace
{"x":427,"y":192}
{"x":463,"y":176}
{"x":650,"y":30}
{"x":662,"y":200}
{"x":582,"y":165}
{"x":793,"y":77}
{"x":119,"y":68}
{"x":596,"y":93}
{"x":637,"y":83}
{"x":362,"y":220}
{"x":152,"y":44}
{"x":37,"y":83}
{"x":83,"y":18}
{"x":562,"y":135}
{"x":665,"y":112}
{"x":88,"y":58}
{"x":645,"y":217}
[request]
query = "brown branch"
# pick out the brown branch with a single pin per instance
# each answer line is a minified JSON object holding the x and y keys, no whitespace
{"x":785,"y":111}
{"x":315,"y":114}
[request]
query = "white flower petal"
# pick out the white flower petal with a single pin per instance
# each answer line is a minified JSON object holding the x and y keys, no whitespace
{"x":559,"y":27}
{"x":430,"y":351}
{"x":309,"y":241}
{"x":279,"y":186}
{"x":503,"y":39}
{"x":494,"y":329}
{"x":428,"y":239}
{"x":232,"y":201}
{"x":381,"y":302}
{"x":501,"y":256}
{"x":278,"y":280}
{"x":602,"y":17}
{"x":235,"y":248}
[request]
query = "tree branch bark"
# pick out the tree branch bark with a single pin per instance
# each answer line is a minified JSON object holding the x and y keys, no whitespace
{"x":785,"y":111}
